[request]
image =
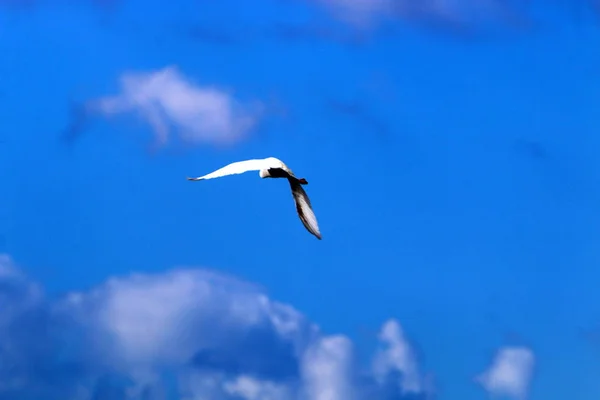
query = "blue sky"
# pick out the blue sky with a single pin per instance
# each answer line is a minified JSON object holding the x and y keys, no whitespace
{"x":451,"y":155}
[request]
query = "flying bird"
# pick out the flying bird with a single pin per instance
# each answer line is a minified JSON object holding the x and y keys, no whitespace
{"x":272,"y":167}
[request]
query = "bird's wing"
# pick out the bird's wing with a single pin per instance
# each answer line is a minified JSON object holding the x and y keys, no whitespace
{"x":236,"y":168}
{"x":304,"y":208}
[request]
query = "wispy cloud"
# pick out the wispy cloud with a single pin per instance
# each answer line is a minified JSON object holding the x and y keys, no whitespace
{"x":510,"y":373}
{"x":210,"y":335}
{"x":363,"y":13}
{"x":463,"y":17}
{"x":171,"y":104}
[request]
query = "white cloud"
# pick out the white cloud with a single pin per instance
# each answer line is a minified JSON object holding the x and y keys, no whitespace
{"x":510,"y":373}
{"x":248,"y":388}
{"x":396,"y":355}
{"x":169,"y":102}
{"x":327,"y":369}
{"x":210,"y":335}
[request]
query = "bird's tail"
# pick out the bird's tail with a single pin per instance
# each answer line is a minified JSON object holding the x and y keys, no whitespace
{"x":303,"y":181}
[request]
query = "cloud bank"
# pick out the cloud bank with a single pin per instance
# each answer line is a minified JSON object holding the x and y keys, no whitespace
{"x":184,"y":334}
{"x":172,"y":104}
{"x":510,"y":373}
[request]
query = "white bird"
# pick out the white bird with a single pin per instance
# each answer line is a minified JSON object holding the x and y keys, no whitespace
{"x":272,"y":167}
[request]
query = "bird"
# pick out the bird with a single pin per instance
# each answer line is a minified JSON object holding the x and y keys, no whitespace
{"x":272,"y":167}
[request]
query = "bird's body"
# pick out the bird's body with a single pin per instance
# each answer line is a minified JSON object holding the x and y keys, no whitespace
{"x":274,"y":168}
